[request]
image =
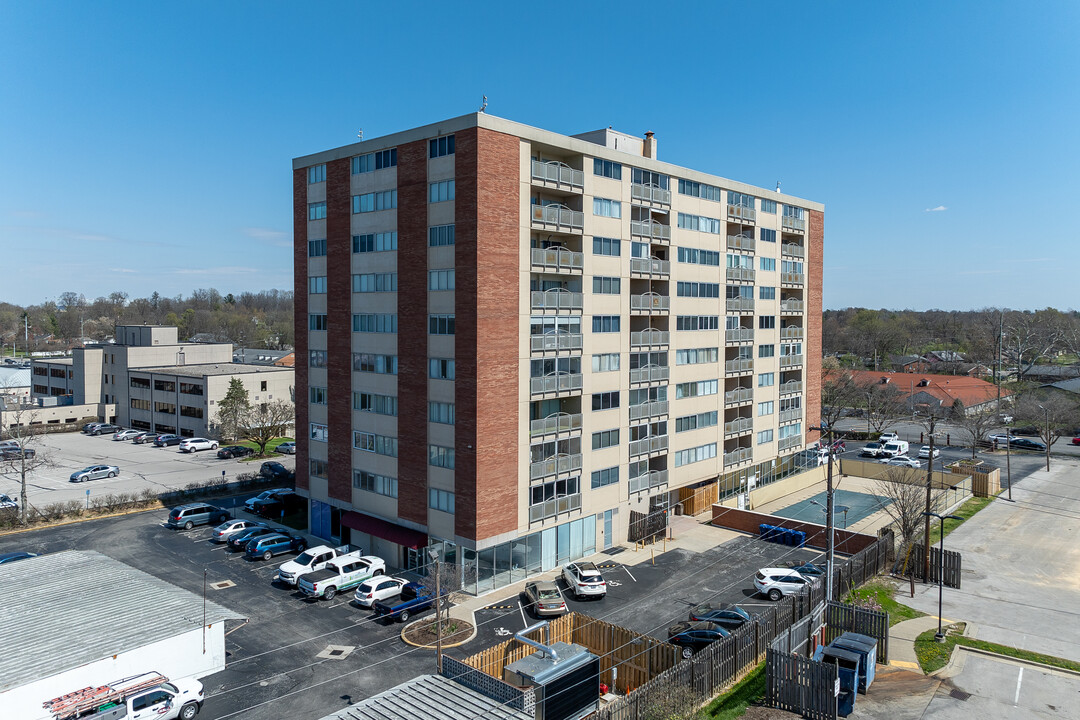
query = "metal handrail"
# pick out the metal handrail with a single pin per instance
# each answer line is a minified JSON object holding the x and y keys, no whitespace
{"x":558,"y":172}
{"x":559,"y":258}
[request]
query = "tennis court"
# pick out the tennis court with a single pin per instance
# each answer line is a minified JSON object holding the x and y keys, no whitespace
{"x":849,"y":507}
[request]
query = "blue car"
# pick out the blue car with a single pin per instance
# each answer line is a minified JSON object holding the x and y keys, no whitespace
{"x":268,"y":546}
{"x":693,"y":636}
{"x":240,"y":540}
{"x":728,"y":617}
{"x":13,"y":556}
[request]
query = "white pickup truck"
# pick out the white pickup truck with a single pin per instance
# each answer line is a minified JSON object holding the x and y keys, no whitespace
{"x":342,"y":573}
{"x":311,"y":560}
{"x":150,"y":696}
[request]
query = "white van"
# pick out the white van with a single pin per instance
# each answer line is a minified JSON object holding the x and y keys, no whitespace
{"x":894,"y":448}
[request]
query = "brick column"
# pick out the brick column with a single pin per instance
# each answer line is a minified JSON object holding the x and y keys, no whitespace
{"x":338,"y":328}
{"x":812,"y":349}
{"x":300,"y":312}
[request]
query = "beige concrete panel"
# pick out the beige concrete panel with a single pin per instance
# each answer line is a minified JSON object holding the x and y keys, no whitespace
{"x":372,"y":503}
{"x":440,"y":524}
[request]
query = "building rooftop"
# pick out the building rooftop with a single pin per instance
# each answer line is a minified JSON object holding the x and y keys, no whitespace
{"x":84,"y":607}
{"x":946,"y":388}
{"x":429,"y":696}
{"x":62,"y":360}
{"x":13,"y":377}
{"x":258,"y":356}
{"x":211,"y":370}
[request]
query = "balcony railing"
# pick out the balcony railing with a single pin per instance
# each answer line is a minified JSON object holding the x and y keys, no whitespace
{"x":554,"y":507}
{"x":796,"y":224}
{"x":791,"y":249}
{"x":740,"y":303}
{"x":792,"y":278}
{"x":789,"y":442}
{"x":648,"y":409}
{"x":738,"y":396}
{"x":738,"y":456}
{"x":555,"y":341}
{"x":791,"y":386}
{"x":558,"y":217}
{"x":740,"y":274}
{"x":650,"y":266}
{"x":791,"y":333}
{"x":560,"y":382}
{"x":738,"y":426}
{"x":650,"y":193}
{"x":556,"y":424}
{"x":657,"y":443}
{"x":557,"y":465}
{"x":648,"y":480}
{"x":556,"y":300}
{"x":739,"y":365}
{"x":790,"y":415}
{"x":792,"y":306}
{"x":650,"y":303}
{"x":742,"y":212}
{"x":650,"y":229}
{"x":558,"y":259}
{"x":653,"y":373}
{"x":738,"y":335}
{"x":741,"y":242}
{"x":558,"y":173}
{"x":790,"y":360}
{"x":649,"y":338}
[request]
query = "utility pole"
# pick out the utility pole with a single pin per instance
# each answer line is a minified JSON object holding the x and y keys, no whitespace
{"x":932,"y":419}
{"x":829,"y":523}
{"x":438,"y":616}
{"x":997,"y":374}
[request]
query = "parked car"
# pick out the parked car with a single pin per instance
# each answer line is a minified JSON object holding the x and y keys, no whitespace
{"x":276,"y":471}
{"x":191,"y":445}
{"x":280,"y":542}
{"x":105,"y":429}
{"x":1076,"y":441}
{"x":145,"y":437}
{"x":543,"y":598}
{"x":1025,"y":444}
{"x":808,"y":569}
{"x":1001,"y":438}
{"x":774,"y":583}
{"x":871,"y":450}
{"x":17,"y":453}
{"x":342,"y":573}
{"x":240,"y":540}
{"x":234,"y":451}
{"x":888,"y":437}
{"x":166,"y":440}
{"x":312,"y":559}
{"x":192,"y":514}
{"x":839,"y":446}
{"x":227,"y":529}
{"x":378,"y":589}
{"x":414,"y":598}
{"x":90,"y":426}
{"x":125,"y":434}
{"x":94,"y":472}
{"x":693,"y":636}
{"x":17,"y":555}
{"x":250,"y":502}
{"x":924,"y":452}
{"x":901,"y":461}
{"x":280,"y":504}
{"x":583,"y":579}
{"x":7,"y":502}
{"x":287,"y":448}
{"x":728,"y":617}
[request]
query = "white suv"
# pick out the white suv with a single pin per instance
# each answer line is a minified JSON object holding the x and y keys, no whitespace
{"x":584,"y":580}
{"x":775,"y":583}
{"x":193,"y":444}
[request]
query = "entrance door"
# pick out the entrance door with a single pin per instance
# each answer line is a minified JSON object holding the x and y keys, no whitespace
{"x":608,"y":539}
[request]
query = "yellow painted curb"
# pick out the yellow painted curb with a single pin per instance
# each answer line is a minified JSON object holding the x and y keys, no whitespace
{"x":904,"y":664}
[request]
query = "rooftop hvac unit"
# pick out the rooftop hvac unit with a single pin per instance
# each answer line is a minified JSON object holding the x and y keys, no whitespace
{"x":565,"y":678}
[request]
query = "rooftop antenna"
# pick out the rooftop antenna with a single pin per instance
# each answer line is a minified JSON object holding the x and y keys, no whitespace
{"x":777,"y":186}
{"x":483,"y":108}
{"x":360,"y":134}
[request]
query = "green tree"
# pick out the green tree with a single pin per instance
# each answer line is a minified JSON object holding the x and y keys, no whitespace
{"x":233,"y":410}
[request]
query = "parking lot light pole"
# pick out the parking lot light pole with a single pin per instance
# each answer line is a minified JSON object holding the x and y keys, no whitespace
{"x":940,"y":636}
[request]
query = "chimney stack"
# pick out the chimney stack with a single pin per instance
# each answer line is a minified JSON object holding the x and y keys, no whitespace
{"x":648,"y":148}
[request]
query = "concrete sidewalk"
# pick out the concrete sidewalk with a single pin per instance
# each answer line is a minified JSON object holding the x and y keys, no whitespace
{"x":902,"y":637}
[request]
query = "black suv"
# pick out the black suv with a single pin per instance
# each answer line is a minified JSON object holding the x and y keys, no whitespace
{"x":278,"y":504}
{"x":106,"y":429}
{"x":234,"y":451}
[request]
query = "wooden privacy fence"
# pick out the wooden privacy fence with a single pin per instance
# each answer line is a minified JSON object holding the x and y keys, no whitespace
{"x":800,"y":685}
{"x":863,"y":565}
{"x":953,"y":565}
{"x":698,"y":500}
{"x":841,"y":618}
{"x":646,"y":525}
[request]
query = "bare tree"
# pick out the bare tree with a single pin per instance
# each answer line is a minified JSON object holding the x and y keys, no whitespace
{"x":900,"y":494}
{"x":1052,"y":413}
{"x":839,"y":393}
{"x":973,"y":424}
{"x":18,"y":462}
{"x":266,"y":421}
{"x":1030,"y":336}
{"x":884,"y":404}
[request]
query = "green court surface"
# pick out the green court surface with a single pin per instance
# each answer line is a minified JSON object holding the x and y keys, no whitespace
{"x":859,"y":505}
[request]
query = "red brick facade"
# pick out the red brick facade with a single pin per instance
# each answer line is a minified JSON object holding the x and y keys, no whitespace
{"x":338,"y":328}
{"x":300,"y":328}
{"x":812,"y":349}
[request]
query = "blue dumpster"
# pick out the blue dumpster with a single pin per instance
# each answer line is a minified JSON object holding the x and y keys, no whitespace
{"x":847,"y":671}
{"x":768,"y":533}
{"x":866,"y":647}
{"x":800,"y":538}
{"x":763,"y":530}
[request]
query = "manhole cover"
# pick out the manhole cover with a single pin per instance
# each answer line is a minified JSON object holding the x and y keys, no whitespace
{"x":336,"y":652}
{"x":222,"y":585}
{"x":959,"y":694}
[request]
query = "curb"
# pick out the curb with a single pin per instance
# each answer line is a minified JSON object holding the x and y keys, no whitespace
{"x":433,"y":647}
{"x":1050,"y":669}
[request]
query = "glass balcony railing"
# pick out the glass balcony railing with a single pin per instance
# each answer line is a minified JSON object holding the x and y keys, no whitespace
{"x":648,"y":409}
{"x":558,"y":465}
{"x":650,"y":266}
{"x":791,"y":249}
{"x":739,"y":365}
{"x":558,"y":217}
{"x":790,"y":415}
{"x":650,"y":303}
{"x":561,"y":423}
{"x":791,"y":386}
{"x":556,"y":300}
{"x":742,"y":212}
{"x":650,"y":194}
{"x":557,"y":259}
{"x":555,"y":341}
{"x":792,"y":278}
{"x":561,"y":382}
{"x":795,"y":224}
{"x":740,"y":274}
{"x":554,"y":507}
{"x":789,"y":442}
{"x":648,"y":480}
{"x":649,"y":374}
{"x":737,"y":304}
{"x":738,"y":426}
{"x":650,"y":229}
{"x":738,"y":335}
{"x":791,"y":333}
{"x":791,"y":306}
{"x":790,"y":360}
{"x":738,"y":456}
{"x":738,"y":396}
{"x":558,"y":173}
{"x":741,"y":242}
{"x":649,"y":338}
{"x":657,"y":443}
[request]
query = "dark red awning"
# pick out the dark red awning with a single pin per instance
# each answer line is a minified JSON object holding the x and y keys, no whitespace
{"x":386,"y":530}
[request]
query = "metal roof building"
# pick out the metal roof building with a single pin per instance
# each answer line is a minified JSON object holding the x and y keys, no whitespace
{"x":429,"y":696}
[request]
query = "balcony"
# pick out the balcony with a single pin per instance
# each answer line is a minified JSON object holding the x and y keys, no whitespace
{"x":653,"y":373}
{"x":644,"y":482}
{"x":739,"y":366}
{"x":552,"y":508}
{"x":741,"y":242}
{"x":558,"y":465}
{"x":791,"y":249}
{"x":742,"y":212}
{"x":644,"y":410}
{"x":789,"y":442}
{"x":650,"y":303}
{"x":793,"y":224}
{"x":739,"y":426}
{"x":787,"y":361}
{"x":739,"y":335}
{"x":558,"y":259}
{"x":555,"y":341}
{"x":645,"y":446}
{"x":558,"y":218}
{"x":739,"y":274}
{"x":650,"y":266}
{"x":649,"y":338}
{"x":560,"y":423}
{"x":556,"y":300}
{"x":790,"y":387}
{"x":650,"y":194}
{"x":738,"y":396}
{"x":558,"y":174}
{"x":790,"y":415}
{"x":792,"y":278}
{"x":791,"y":306}
{"x":738,"y":456}
{"x":651,"y":229}
{"x":738,"y":304}
{"x":557,"y":383}
{"x":791,"y":333}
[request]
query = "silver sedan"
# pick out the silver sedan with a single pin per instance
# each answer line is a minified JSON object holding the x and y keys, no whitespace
{"x":95,"y":472}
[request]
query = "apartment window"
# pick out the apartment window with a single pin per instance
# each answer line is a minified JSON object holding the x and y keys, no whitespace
{"x":317,"y":358}
{"x":262,"y":387}
{"x":767,"y":263}
{"x":545,"y":367}
{"x":440,"y":500}
{"x":766,"y":292}
{"x":316,"y":285}
{"x":136,"y":403}
{"x":766,"y":351}
{"x":374,"y":242}
{"x":378,"y":364}
{"x":374,"y":161}
{"x":539,"y":494}
{"x":639,"y":250}
{"x":136,"y":382}
{"x":318,"y":432}
{"x":607,"y":208}
{"x":696,"y":356}
{"x":693,"y":289}
{"x":317,"y":321}
{"x":791,"y":266}
{"x":648,"y":177}
{"x":698,"y":257}
{"x":606,"y":285}
{"x":440,"y":147}
{"x":316,"y":248}
{"x":740,"y":261}
{"x":318,"y":468}
{"x":374,"y":282}
{"x":370,"y":202}
{"x":606,"y":362}
{"x":440,"y":456}
{"x":378,"y":444}
{"x":606,"y":323}
{"x":191,"y":412}
{"x":316,"y":174}
{"x":766,"y":322}
{"x":607,"y":476}
{"x":695,"y":454}
{"x":605,"y":439}
{"x":791,"y":349}
{"x":441,"y":191}
{"x":372,"y":403}
{"x":787,"y":431}
{"x":697,"y":322}
{"x":766,"y":379}
{"x":701,"y":190}
{"x":794,"y":403}
{"x":765,"y":436}
{"x":740,"y":199}
{"x":793,"y":212}
{"x":608,"y":169}
{"x":648,"y":394}
{"x":768,"y":206}
{"x":316,"y":211}
{"x":767,"y":235}
{"x":191,"y":389}
{"x":605,"y":401}
{"x":605,"y":246}
{"x":765,"y":408}
{"x":440,"y":280}
{"x":696,"y":422}
{"x":441,"y":412}
{"x":440,"y":235}
{"x":372,"y":483}
{"x":441,"y":368}
{"x":699,"y":223}
{"x":374,"y":323}
{"x":441,"y":324}
{"x":318,"y":395}
{"x":696,"y":389}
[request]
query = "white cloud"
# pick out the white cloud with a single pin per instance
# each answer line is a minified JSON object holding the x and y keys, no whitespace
{"x":122,"y":270}
{"x":939,"y":208}
{"x":217,"y":271}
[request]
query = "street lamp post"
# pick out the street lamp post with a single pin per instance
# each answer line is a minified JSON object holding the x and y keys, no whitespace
{"x":1008,"y":458}
{"x":940,"y":636}
{"x":868,"y":396}
{"x":1046,"y":425}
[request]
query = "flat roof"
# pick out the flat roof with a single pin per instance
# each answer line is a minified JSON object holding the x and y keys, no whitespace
{"x":64,"y":610}
{"x":429,"y":696}
{"x":54,"y":360}
{"x":212,"y":369}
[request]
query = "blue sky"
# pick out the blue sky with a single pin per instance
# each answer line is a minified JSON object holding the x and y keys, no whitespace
{"x":148,"y":146}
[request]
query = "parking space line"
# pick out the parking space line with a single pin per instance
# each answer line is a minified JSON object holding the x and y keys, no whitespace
{"x":629,"y":573}
{"x":524,"y":622}
{"x":1019,"y":679}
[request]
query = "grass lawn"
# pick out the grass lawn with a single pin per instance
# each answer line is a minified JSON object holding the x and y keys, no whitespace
{"x":882,"y":592}
{"x":934,"y":655}
{"x":269,"y":448}
{"x":750,"y":691}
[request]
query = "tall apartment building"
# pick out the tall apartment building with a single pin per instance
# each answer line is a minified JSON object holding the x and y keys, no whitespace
{"x":511,"y":338}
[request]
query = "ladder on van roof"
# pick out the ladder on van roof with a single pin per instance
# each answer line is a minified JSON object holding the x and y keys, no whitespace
{"x":91,"y":698}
